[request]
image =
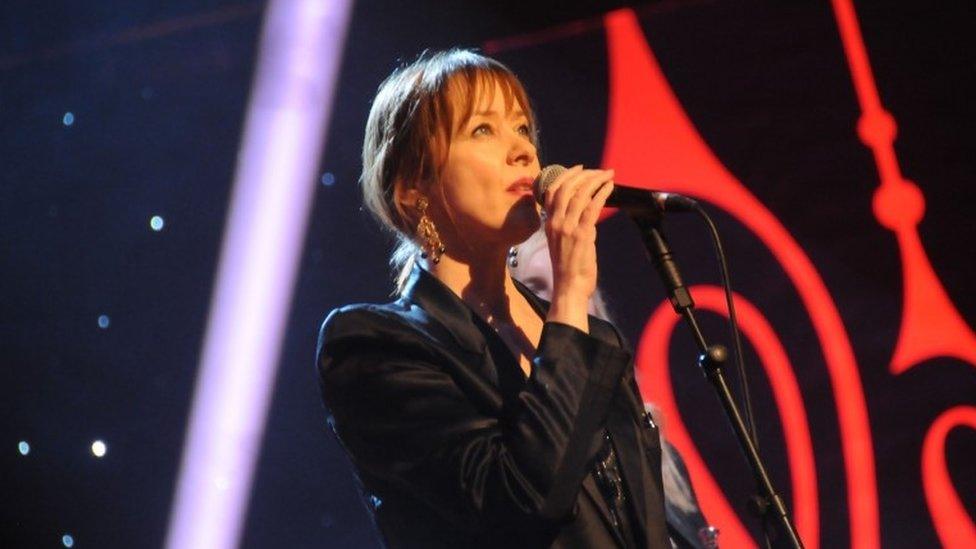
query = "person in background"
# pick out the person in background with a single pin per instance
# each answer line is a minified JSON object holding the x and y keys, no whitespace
{"x":529,"y":263}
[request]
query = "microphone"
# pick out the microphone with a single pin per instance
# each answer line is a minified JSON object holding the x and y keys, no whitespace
{"x":623,"y":197}
{"x":646,"y":208}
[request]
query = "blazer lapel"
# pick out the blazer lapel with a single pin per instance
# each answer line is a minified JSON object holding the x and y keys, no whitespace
{"x":442,"y":304}
{"x":439,"y":311}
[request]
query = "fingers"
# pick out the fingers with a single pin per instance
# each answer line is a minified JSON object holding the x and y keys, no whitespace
{"x":591,"y":214}
{"x":585,"y":194}
{"x":574,"y":193}
{"x":573,"y":204}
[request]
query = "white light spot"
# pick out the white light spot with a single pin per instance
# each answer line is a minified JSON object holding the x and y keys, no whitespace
{"x":67,"y":540}
{"x":328,"y":179}
{"x":157,"y":223}
{"x":98,"y":448}
{"x":68,"y":118}
{"x":104,"y":321}
{"x":23,"y":447}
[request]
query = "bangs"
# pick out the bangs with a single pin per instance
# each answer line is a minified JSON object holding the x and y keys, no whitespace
{"x":473,"y":86}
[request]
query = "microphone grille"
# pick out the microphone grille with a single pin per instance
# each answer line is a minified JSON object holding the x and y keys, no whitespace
{"x":546,"y":177}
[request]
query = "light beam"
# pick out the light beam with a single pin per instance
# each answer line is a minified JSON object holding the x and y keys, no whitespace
{"x":288,"y":111}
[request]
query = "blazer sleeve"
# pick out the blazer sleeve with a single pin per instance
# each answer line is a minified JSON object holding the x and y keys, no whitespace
{"x":404,"y":419}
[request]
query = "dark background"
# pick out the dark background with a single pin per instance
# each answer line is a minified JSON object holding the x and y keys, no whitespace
{"x":158,"y":93}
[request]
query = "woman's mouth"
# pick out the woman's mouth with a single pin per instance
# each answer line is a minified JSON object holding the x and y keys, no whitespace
{"x":522,"y":186}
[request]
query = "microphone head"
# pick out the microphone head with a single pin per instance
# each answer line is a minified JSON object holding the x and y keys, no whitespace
{"x":546,"y":177}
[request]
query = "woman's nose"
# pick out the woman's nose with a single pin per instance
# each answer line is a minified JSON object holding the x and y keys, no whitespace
{"x":521,"y":151}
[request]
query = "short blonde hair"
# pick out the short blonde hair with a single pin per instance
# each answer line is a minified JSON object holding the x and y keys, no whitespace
{"x":416,"y":112}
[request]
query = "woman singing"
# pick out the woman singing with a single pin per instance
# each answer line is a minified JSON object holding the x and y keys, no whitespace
{"x":477,"y":414}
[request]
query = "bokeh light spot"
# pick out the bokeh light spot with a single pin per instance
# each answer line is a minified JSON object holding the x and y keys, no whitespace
{"x":157,"y":223}
{"x":103,"y":321}
{"x":67,"y":540}
{"x":328,"y":179}
{"x":98,"y":448}
{"x":68,"y":118}
{"x":23,"y":447}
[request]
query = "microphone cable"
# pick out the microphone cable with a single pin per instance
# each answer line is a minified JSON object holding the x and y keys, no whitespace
{"x":745,"y":399}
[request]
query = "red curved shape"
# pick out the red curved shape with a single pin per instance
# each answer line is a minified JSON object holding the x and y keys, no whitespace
{"x":650,"y":139}
{"x":931,"y":325}
{"x":652,"y":362}
{"x":952,"y":522}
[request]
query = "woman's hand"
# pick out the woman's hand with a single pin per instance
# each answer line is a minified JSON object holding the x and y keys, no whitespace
{"x":573,"y":204}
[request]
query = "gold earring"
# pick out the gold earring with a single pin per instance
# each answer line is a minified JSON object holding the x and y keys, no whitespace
{"x":432,"y":246}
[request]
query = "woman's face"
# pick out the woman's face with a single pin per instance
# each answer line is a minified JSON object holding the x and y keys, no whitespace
{"x":487,"y":178}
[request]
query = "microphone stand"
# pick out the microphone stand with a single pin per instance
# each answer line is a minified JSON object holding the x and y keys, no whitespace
{"x":711,"y":359}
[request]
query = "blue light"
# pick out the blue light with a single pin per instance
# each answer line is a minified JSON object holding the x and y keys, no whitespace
{"x":68,"y":118}
{"x":67,"y":540}
{"x":328,"y":179}
{"x":157,"y":223}
{"x":103,"y":321}
{"x":23,"y":447}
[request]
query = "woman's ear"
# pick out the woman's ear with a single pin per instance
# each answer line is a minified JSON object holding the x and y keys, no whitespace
{"x":406,"y":202}
{"x":408,"y":197}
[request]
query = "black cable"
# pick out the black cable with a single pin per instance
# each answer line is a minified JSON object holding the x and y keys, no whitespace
{"x":744,"y":396}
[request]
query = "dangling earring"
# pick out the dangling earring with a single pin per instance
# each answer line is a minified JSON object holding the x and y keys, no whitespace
{"x":432,"y":247}
{"x":513,"y":257}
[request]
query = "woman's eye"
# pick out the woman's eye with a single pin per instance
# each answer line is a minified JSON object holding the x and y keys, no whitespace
{"x":524,"y":129}
{"x":481,"y":129}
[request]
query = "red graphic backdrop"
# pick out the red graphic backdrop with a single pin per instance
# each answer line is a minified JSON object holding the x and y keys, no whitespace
{"x":653,"y":356}
{"x":931,"y":326}
{"x":650,"y":139}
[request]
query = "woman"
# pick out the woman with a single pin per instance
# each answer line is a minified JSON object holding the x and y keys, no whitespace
{"x":476,"y":414}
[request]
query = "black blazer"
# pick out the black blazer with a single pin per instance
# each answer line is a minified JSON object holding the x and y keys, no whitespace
{"x":455,"y":448}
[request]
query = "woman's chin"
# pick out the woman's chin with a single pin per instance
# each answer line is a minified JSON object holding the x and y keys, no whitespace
{"x":524,"y":225}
